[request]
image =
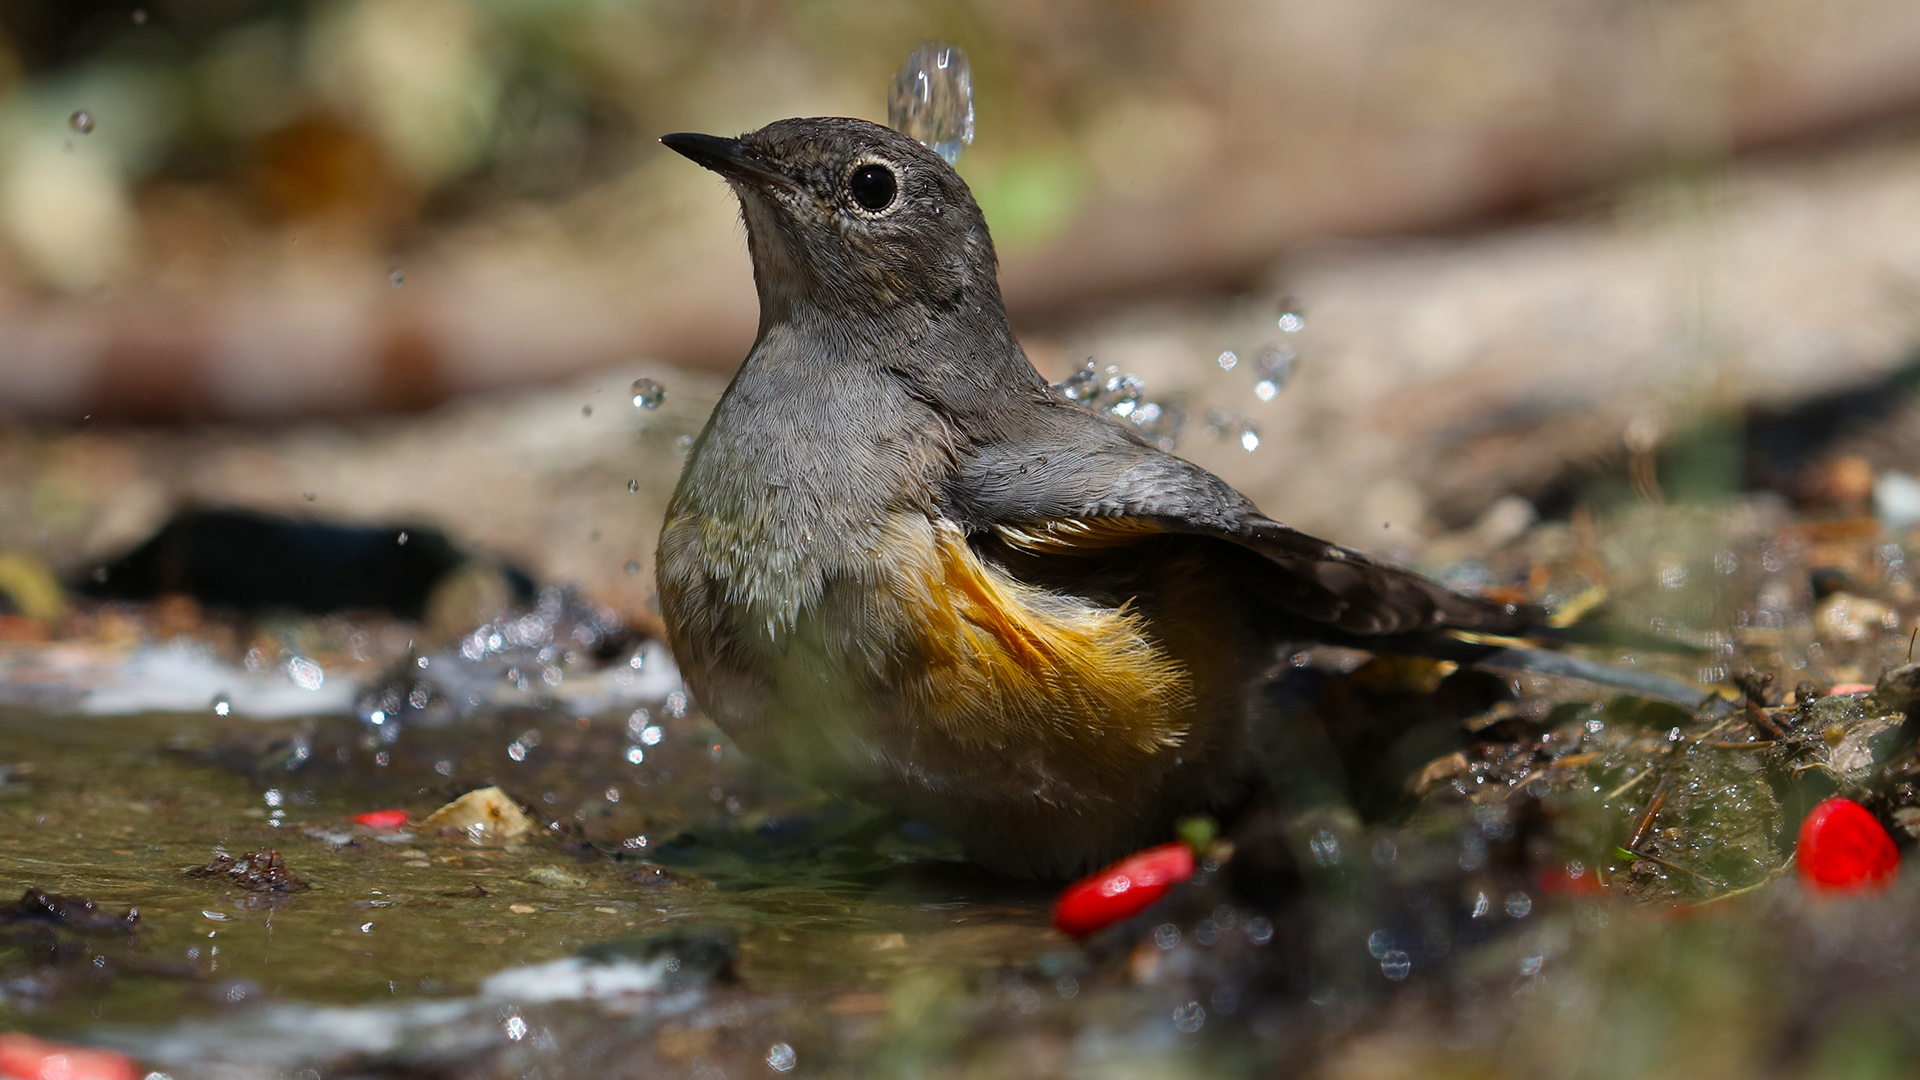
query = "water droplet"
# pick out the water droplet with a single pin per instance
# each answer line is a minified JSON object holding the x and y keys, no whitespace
{"x":1326,"y":848}
{"x":402,"y":541}
{"x":648,"y":394}
{"x":633,"y":487}
{"x":1250,"y":437}
{"x":1395,"y":965}
{"x":633,"y":568}
{"x":1276,"y":362}
{"x":932,"y":99}
{"x":305,"y":673}
{"x":1265,"y":389}
{"x":683,"y":442}
{"x":396,"y":278}
{"x":1124,"y":393}
{"x":1081,"y":385}
{"x":586,"y":410}
{"x":1228,"y":359}
{"x":1291,"y":320}
{"x":222,"y":706}
{"x":139,"y":16}
{"x":309,"y":496}
{"x":81,"y":121}
{"x":781,"y":1058}
{"x":1189,"y":1018}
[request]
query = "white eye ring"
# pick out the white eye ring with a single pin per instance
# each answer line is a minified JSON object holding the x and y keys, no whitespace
{"x":873,"y":186}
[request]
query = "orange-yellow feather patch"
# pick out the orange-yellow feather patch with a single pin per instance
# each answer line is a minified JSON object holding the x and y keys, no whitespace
{"x":1083,"y":687}
{"x":1067,"y":536}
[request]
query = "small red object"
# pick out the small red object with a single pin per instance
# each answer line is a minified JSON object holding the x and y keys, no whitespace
{"x":1565,"y":881}
{"x":382,"y":819}
{"x":23,"y":1057}
{"x":1843,"y":848}
{"x":1126,"y":888}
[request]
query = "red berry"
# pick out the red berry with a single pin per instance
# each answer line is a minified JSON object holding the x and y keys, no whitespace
{"x":382,"y":819}
{"x":1125,"y":888}
{"x":23,"y":1057}
{"x":1570,"y":880}
{"x":1843,"y":848}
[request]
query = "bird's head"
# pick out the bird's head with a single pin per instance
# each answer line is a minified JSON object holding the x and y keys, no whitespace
{"x":846,"y":217}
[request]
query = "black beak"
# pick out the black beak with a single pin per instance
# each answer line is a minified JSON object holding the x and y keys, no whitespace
{"x":730,"y":158}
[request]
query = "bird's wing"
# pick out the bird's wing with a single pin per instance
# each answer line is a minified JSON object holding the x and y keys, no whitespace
{"x":1079,"y":482}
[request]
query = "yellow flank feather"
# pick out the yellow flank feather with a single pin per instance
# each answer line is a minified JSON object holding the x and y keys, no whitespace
{"x":1069,"y":536}
{"x":1078,"y":688}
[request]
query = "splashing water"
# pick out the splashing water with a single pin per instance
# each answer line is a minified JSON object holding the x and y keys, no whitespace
{"x":1292,"y":320}
{"x":1124,"y":395}
{"x":648,"y":394}
{"x":82,"y":122}
{"x":1275,"y":364}
{"x":1082,"y":385}
{"x":1233,"y":426}
{"x":932,"y":99}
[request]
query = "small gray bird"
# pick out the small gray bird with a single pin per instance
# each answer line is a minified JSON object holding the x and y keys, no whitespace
{"x":901,"y":566}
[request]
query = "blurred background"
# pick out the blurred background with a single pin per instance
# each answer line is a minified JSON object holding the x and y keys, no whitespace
{"x":1384,"y":264}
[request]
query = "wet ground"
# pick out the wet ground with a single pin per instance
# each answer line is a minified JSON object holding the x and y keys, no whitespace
{"x":1466,"y":874}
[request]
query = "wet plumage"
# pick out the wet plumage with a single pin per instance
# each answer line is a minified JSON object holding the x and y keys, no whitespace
{"x":901,"y":566}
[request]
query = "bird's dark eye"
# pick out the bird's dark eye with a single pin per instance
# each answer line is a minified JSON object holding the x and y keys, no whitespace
{"x":872,"y":186}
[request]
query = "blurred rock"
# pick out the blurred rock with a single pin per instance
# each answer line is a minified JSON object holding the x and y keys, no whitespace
{"x":487,"y":816}
{"x":569,"y":483}
{"x":245,"y":561}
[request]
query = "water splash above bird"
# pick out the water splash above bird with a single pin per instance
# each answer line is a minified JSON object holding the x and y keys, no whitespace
{"x":932,"y":99}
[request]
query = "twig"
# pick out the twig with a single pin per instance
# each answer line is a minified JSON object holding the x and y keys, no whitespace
{"x":1622,"y":789}
{"x":1772,"y":876}
{"x":1658,"y":861}
{"x":1658,"y":800}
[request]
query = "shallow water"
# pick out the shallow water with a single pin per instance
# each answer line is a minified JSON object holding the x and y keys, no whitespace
{"x":679,"y":912}
{"x":118,"y":809}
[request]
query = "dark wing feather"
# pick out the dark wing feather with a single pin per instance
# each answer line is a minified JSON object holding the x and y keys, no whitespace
{"x":1360,"y":595}
{"x":1076,"y":466}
